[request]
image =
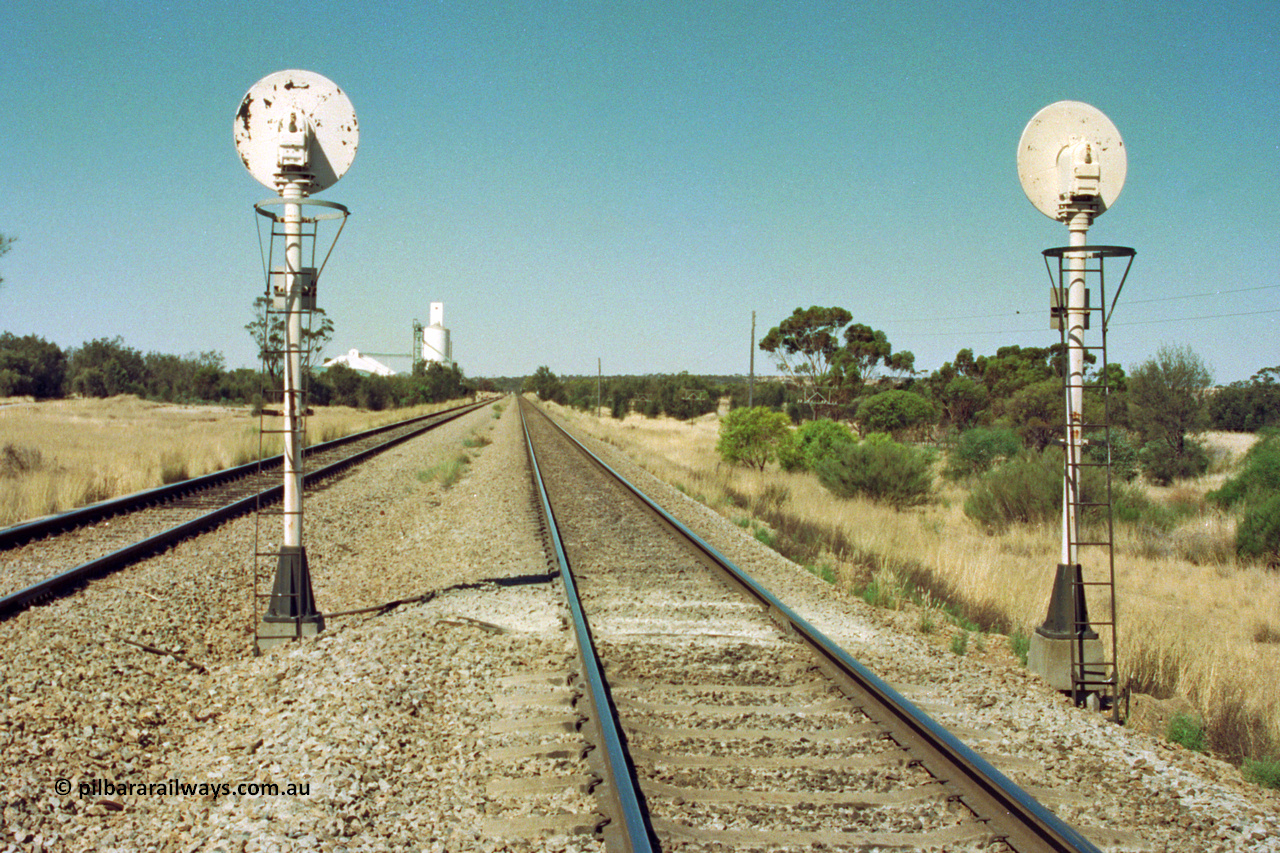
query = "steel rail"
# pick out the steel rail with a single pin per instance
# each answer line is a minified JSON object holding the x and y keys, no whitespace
{"x":637,"y":833}
{"x":69,"y":580}
{"x":1013,"y":814}
{"x":11,"y":537}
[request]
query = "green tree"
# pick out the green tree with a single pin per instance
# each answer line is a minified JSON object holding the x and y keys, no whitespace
{"x":896,"y":412}
{"x":973,"y":390}
{"x":771,"y":393}
{"x":866,"y":351}
{"x":443,"y":383}
{"x":804,"y":345}
{"x":980,"y":448}
{"x":30,"y":365}
{"x":828,"y":359}
{"x":751,"y":436}
{"x":1167,"y":407}
{"x":962,"y":401}
{"x":105,"y":368}
{"x":268,"y":332}
{"x":1248,"y":406}
{"x":1038,"y":412}
{"x":546,"y":385}
{"x":685,"y":397}
{"x":341,"y":385}
{"x":374,"y":393}
{"x":194,"y":376}
{"x":804,"y":447}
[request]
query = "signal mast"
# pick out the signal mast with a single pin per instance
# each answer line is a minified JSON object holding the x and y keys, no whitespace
{"x":296,"y":133}
{"x":1072,"y":165}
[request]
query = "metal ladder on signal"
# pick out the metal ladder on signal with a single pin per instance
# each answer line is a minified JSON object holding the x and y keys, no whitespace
{"x":272,"y":422}
{"x":1096,"y":677}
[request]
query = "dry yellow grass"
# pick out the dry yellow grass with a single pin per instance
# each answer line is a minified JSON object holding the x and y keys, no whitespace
{"x":1207,"y":630}
{"x":60,"y":454}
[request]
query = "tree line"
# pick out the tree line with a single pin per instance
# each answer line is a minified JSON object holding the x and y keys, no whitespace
{"x":834,"y":369}
{"x":34,"y":367}
{"x":994,"y":419}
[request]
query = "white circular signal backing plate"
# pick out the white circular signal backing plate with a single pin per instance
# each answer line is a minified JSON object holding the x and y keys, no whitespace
{"x":266,"y":109}
{"x":1056,"y":128}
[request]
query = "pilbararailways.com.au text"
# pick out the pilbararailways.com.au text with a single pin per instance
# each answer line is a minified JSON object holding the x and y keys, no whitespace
{"x":178,"y":788}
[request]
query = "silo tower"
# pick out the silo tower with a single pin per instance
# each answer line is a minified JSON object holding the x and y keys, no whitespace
{"x":436,"y":345}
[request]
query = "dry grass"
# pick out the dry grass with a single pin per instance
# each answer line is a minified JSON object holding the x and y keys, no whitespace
{"x":1192,"y":622}
{"x":61,"y":454}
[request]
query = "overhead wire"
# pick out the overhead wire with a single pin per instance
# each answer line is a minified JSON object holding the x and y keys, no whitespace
{"x":1007,"y":314}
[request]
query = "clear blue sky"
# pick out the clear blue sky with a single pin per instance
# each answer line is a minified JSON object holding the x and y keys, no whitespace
{"x":629,"y":180}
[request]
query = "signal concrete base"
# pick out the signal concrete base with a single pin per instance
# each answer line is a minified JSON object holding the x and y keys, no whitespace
{"x":1050,"y":658}
{"x":273,"y":634}
{"x":292,"y":614}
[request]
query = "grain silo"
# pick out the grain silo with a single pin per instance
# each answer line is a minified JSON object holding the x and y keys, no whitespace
{"x":436,"y":345}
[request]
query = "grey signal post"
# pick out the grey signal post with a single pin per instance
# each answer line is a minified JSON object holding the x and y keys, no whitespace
{"x":296,"y":133}
{"x":1072,"y":165}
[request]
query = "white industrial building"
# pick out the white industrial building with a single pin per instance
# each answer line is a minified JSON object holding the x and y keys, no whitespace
{"x":354,"y":360}
{"x":436,"y":345}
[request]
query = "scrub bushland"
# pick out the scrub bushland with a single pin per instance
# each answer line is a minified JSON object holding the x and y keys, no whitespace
{"x":1196,"y":620}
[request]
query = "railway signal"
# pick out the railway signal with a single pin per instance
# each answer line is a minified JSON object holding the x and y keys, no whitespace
{"x":296,"y":133}
{"x":1072,"y":165}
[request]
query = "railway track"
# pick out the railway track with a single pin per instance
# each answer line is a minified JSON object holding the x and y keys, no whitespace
{"x":52,"y":556}
{"x":727,"y":721}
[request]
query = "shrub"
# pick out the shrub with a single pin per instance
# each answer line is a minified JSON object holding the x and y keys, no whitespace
{"x":1189,"y":731}
{"x":751,"y":436}
{"x":16,"y":460}
{"x":1164,"y":463}
{"x":1124,"y":453}
{"x":896,"y":412}
{"x":1130,"y":503}
{"x":1264,"y":772}
{"x":1259,"y":474}
{"x":1166,"y":406}
{"x":878,"y":468}
{"x":1257,"y":489}
{"x":173,"y":468}
{"x":1026,"y":489}
{"x":980,"y":448}
{"x":1020,"y":645}
{"x":1258,"y":534}
{"x":446,"y":473}
{"x":802,"y":448}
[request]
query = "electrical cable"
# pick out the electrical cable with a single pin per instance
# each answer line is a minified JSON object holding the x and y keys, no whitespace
{"x":1127,"y":302}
